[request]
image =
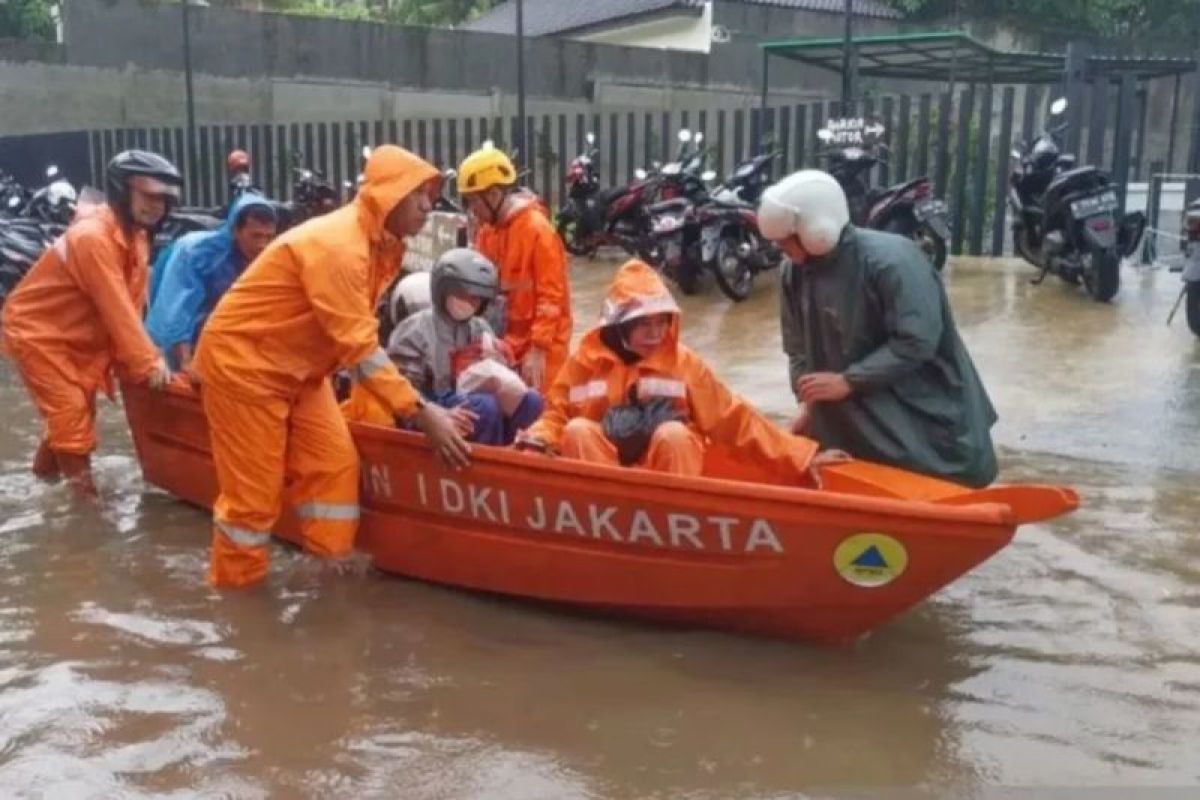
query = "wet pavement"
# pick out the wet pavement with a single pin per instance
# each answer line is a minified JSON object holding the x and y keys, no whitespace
{"x":1072,"y":659}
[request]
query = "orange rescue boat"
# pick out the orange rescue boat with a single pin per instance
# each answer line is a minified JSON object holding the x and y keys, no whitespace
{"x":744,"y":555}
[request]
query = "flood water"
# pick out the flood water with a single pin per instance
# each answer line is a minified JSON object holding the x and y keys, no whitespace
{"x":1071,"y":659}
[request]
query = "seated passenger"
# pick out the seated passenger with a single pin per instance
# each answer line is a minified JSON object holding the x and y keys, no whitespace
{"x":450,"y":354}
{"x":198,"y":269}
{"x":632,"y":395}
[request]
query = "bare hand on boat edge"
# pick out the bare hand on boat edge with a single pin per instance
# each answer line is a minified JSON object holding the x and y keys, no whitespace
{"x":440,"y":429}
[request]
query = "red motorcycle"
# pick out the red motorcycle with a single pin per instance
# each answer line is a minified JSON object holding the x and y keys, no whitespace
{"x":590,"y":218}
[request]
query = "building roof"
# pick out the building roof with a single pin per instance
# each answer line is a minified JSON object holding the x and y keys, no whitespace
{"x":558,"y":17}
{"x":940,"y":55}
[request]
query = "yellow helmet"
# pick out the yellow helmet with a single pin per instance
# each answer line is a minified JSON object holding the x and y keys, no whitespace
{"x":485,"y":168}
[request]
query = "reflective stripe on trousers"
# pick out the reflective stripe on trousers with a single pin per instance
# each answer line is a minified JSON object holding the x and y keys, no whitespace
{"x":242,"y":537}
{"x":331,"y":511}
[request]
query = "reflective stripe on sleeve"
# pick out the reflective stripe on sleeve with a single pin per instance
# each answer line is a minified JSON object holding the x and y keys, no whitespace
{"x":369,"y":366}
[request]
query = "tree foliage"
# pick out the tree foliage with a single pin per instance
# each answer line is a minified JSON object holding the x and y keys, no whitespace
{"x":27,"y":19}
{"x":1160,"y":23}
{"x":407,"y":12}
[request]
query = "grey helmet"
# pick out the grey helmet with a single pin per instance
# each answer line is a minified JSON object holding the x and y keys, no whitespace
{"x":465,"y":271}
{"x":130,"y":164}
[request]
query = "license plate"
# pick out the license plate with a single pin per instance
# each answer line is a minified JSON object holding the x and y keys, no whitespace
{"x":1091,"y":206}
{"x":929,"y":209}
{"x":667,"y":224}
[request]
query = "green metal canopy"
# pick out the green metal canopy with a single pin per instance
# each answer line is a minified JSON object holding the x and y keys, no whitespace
{"x":958,"y":56}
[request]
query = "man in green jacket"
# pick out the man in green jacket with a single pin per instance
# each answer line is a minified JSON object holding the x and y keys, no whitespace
{"x":875,"y":358}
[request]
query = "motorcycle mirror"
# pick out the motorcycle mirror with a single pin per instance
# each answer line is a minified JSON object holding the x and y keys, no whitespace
{"x":488,"y":144}
{"x":685,"y":136}
{"x":13,"y":202}
{"x":708,"y":176}
{"x":366,"y":152}
{"x":825,"y":135}
{"x":638,"y":173}
{"x":51,"y":171}
{"x":591,"y":138}
{"x":449,"y":175}
{"x":699,"y":137}
{"x":1016,"y":154}
{"x":1058,"y":106}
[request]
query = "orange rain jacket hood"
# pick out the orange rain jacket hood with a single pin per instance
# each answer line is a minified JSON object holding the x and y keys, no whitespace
{"x":306,"y":306}
{"x":596,"y":379}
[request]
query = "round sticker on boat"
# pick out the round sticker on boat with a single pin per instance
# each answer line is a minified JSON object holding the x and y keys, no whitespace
{"x":870,"y":559}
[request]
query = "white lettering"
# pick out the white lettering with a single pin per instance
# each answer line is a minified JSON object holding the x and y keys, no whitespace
{"x":479,"y":502}
{"x":603,"y":521}
{"x":684,"y":526}
{"x":538,"y":522}
{"x":381,"y":480}
{"x":422,"y":492}
{"x":452,"y":497}
{"x":566,"y":518}
{"x":642,"y":527}
{"x":724,"y":528}
{"x":762,"y":534}
{"x":503,"y":495}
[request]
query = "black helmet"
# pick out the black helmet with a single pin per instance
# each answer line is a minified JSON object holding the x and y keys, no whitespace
{"x":138,"y":163}
{"x":465,"y":271}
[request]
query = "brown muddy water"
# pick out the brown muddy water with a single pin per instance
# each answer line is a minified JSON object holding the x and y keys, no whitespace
{"x":1071,"y":659}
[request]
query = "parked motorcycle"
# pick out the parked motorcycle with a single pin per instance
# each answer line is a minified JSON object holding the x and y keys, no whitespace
{"x":1065,"y":217}
{"x":908,"y":209}
{"x":590,"y":218}
{"x":1190,"y":294}
{"x":32,"y":223}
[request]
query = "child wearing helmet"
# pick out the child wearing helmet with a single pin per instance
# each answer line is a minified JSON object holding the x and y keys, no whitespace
{"x":874,"y":355}
{"x":515,"y":233}
{"x":450,"y":354}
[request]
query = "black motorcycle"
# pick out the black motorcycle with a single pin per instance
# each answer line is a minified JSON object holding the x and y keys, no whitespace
{"x":1065,"y":217}
{"x":32,"y":222}
{"x":908,"y":209}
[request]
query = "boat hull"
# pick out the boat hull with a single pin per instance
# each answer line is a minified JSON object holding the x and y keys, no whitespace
{"x":790,"y":562}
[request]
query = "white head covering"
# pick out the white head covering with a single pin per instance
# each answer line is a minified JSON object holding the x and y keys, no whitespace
{"x":809,"y":204}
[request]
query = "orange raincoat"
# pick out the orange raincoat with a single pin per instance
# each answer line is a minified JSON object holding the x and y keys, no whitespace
{"x":533,"y":271}
{"x":596,"y":379}
{"x":77,"y":311}
{"x":301,"y":311}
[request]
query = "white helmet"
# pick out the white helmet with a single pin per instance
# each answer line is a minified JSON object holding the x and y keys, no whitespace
{"x":809,"y":204}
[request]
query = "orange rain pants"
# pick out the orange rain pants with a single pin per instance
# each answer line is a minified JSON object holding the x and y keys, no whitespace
{"x":302,"y":310}
{"x":258,"y":448}
{"x":674,"y":448}
{"x":534,"y":278}
{"x":77,"y":311}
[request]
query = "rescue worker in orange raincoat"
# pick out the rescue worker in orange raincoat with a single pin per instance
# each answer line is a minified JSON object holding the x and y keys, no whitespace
{"x":303,"y":309}
{"x":631,"y":394}
{"x":517,"y":236}
{"x":79,"y":311}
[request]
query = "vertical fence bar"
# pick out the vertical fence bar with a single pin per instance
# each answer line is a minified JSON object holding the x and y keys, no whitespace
{"x":563,"y":157}
{"x":1123,"y":136}
{"x":452,"y":138}
{"x":435,"y":156}
{"x":888,"y":114}
{"x":1139,"y":164}
{"x":1033,"y":98}
{"x":666,"y":137}
{"x":941,"y":148}
{"x":903,"y":132}
{"x":979,"y":188}
{"x":1153,"y":202}
{"x":423,"y":139}
{"x":206,"y":194}
{"x":337,"y":153}
{"x":739,"y":136}
{"x":801,"y":138}
{"x":722,"y":141}
{"x":1098,"y":122}
{"x":1003,"y":159}
{"x":784,"y":142}
{"x":924,"y":123}
{"x":630,"y":144}
{"x":962,"y":160}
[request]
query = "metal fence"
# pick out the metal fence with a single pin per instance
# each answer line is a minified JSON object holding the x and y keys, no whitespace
{"x":962,"y":142}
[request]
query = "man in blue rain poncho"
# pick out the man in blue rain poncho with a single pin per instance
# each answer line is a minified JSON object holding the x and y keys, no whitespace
{"x":198,"y":269}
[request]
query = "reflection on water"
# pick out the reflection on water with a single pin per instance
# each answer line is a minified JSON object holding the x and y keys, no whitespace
{"x":1070,"y":659}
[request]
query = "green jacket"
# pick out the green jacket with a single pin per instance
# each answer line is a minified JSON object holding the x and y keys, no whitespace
{"x":875,"y":311}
